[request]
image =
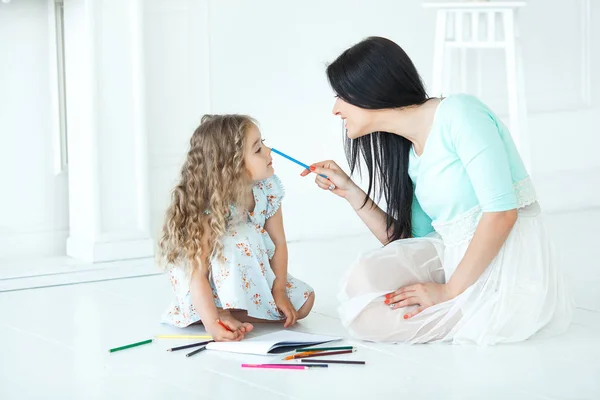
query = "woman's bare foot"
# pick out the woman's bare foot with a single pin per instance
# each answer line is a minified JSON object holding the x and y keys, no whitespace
{"x":226,"y":317}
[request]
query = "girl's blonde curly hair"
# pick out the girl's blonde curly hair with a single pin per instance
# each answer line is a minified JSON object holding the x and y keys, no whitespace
{"x":213,"y":178}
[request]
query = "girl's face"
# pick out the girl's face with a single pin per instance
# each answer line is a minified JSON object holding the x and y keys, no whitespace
{"x":257,"y":156}
{"x":357,"y":121}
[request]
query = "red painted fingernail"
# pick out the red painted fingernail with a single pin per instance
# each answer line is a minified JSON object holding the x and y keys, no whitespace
{"x":312,"y":168}
{"x":387,"y":301}
{"x":387,"y":296}
{"x":406,"y":316}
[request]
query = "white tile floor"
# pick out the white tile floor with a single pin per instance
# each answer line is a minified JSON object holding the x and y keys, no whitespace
{"x":55,"y":343}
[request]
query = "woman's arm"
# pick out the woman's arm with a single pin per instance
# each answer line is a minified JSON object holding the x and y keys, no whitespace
{"x":490,"y":235}
{"x":476,"y":137}
{"x":373,"y":216}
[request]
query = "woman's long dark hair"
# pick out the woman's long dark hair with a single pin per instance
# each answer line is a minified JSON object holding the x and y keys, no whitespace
{"x":377,"y":74}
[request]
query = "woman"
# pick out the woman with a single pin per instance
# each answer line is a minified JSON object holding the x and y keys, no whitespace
{"x":466,"y":255}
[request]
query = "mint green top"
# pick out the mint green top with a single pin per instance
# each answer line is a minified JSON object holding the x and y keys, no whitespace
{"x":469,"y":160}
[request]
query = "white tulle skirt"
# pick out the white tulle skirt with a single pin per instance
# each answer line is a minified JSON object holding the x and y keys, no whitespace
{"x":521,"y":294}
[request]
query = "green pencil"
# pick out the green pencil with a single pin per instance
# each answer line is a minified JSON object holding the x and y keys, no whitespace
{"x":130,"y":345}
{"x":302,"y":350}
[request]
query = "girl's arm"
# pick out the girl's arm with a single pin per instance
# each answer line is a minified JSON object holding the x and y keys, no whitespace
{"x":202,"y":298}
{"x":279,"y":262}
{"x":279,"y":265}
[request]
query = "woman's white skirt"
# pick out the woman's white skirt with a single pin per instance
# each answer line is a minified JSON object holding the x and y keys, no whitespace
{"x":522,"y":292}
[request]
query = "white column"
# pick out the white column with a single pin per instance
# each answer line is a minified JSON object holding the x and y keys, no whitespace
{"x":439,"y":54}
{"x":108,"y":167}
{"x":517,"y":103}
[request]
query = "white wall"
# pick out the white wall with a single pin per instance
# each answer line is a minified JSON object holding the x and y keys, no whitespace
{"x":268,"y":59}
{"x":33,"y":200}
{"x":177,"y":89}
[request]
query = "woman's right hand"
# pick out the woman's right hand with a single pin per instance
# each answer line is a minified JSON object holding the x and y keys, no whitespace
{"x":337,"y":181}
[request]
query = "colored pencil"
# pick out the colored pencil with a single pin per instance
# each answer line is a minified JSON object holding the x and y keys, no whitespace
{"x":327,"y":353}
{"x":183,"y":337}
{"x":308,"y":350}
{"x":224,"y":326}
{"x":304,"y":353}
{"x":187,"y":346}
{"x":314,"y":353}
{"x":294,"y":160}
{"x":196,"y":351}
{"x":267,"y":366}
{"x":306,"y":365}
{"x":333,"y":361}
{"x":130,"y":345}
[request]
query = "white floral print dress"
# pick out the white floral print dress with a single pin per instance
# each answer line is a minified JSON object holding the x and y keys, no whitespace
{"x":242,"y":279}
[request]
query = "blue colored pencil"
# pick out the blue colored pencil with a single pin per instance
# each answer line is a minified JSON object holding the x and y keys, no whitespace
{"x":294,"y":160}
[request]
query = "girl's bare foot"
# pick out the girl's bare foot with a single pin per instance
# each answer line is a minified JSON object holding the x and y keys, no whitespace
{"x":229,"y":320}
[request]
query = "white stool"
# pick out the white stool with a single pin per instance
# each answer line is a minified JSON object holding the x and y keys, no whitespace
{"x":469,"y":15}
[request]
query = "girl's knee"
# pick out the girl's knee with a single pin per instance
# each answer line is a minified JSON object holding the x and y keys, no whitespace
{"x":307,"y":306}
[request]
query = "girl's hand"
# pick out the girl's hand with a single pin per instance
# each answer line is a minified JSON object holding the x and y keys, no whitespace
{"x":424,"y":295}
{"x":220,"y":334}
{"x":284,"y":305}
{"x":338,"y":182}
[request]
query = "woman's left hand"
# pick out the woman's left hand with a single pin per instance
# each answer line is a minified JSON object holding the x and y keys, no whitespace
{"x":424,"y":295}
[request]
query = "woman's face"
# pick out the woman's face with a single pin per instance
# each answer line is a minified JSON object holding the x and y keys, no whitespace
{"x":357,"y":121}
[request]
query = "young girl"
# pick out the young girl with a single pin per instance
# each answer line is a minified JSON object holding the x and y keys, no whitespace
{"x":223,"y":239}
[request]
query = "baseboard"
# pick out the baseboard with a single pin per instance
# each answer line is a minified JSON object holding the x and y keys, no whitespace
{"x":33,"y":244}
{"x":109,"y":251}
{"x":567,"y":191}
{"x":59,"y":271}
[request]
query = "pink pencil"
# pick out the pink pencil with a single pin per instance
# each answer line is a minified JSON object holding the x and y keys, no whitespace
{"x":274,"y":366}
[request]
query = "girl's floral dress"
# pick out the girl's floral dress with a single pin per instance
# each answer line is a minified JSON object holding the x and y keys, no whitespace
{"x":242,"y":279}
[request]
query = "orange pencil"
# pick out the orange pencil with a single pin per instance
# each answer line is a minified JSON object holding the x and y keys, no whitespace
{"x":298,"y":355}
{"x":327,"y":353}
{"x":224,"y":326}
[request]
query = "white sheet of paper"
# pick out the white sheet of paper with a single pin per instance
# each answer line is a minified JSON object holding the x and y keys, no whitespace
{"x":262,"y":344}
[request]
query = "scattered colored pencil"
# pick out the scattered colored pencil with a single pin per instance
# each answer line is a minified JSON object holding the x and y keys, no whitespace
{"x":267,"y":366}
{"x":333,"y":361}
{"x":322,"y":365}
{"x":317,"y":353}
{"x":187,"y":346}
{"x":294,"y":160}
{"x":183,"y":337}
{"x":308,"y":350}
{"x":298,"y":355}
{"x":130,"y":345}
{"x":327,"y":353}
{"x":196,"y":351}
